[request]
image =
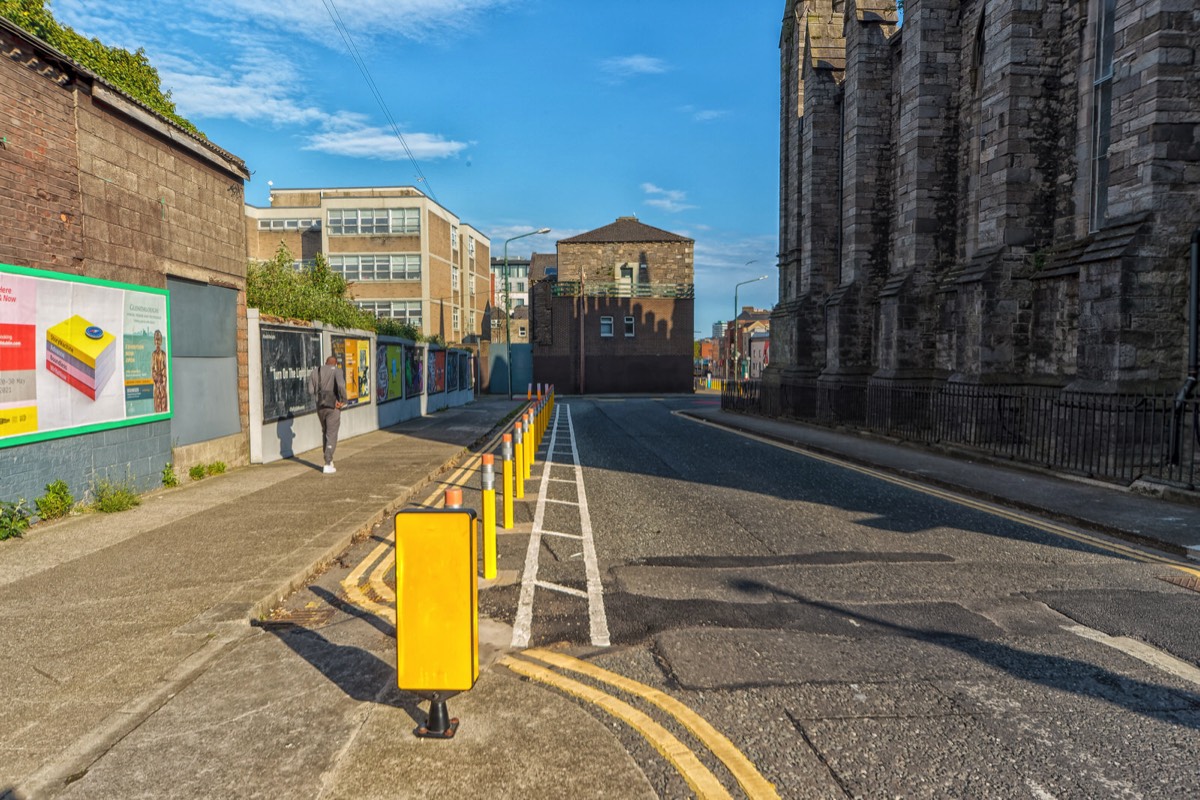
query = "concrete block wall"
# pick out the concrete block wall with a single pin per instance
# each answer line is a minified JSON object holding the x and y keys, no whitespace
{"x":133,"y":456}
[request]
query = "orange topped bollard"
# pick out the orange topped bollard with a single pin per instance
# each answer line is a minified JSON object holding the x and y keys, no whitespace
{"x":487,"y":484}
{"x":506,"y":475}
{"x":519,"y":448}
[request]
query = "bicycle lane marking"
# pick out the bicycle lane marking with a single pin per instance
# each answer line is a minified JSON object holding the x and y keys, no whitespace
{"x":598,"y":620}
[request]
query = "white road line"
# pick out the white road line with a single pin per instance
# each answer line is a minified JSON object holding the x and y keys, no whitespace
{"x":562,"y":502}
{"x":1141,"y":651}
{"x":599,"y":621}
{"x":554,"y":587}
{"x":575,"y":536}
{"x":523,"y":624}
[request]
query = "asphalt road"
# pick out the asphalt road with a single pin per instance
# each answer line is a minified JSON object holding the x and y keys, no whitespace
{"x":853,"y":637}
{"x":850,"y":636}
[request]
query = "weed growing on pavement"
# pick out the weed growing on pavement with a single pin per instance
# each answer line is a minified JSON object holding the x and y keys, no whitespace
{"x":57,"y":502}
{"x":197,"y":472}
{"x":14,"y":518}
{"x":215,"y":468}
{"x":169,"y":479}
{"x":112,"y":496}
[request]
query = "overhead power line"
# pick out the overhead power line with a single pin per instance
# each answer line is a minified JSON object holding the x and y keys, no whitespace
{"x":361,"y":63}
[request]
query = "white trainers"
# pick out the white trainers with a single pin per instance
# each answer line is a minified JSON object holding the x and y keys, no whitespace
{"x":329,"y":469}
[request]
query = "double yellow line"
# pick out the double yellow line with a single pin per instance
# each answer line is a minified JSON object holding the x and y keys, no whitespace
{"x":369,"y":578}
{"x":377,"y":564}
{"x":694,"y":772}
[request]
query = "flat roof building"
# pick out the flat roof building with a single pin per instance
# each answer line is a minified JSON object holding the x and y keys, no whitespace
{"x":404,"y":255}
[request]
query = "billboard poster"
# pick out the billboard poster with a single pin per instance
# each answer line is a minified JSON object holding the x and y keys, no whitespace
{"x":79,"y":355}
{"x":467,"y":365}
{"x":354,"y":357}
{"x":452,"y":371}
{"x":437,"y":371}
{"x":389,"y":377}
{"x":288,"y":356}
{"x":414,"y":371}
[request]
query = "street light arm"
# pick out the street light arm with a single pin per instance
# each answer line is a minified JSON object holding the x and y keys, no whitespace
{"x":508,"y":307}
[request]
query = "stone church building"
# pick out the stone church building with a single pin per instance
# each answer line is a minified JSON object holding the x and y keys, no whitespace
{"x":1015,"y":187}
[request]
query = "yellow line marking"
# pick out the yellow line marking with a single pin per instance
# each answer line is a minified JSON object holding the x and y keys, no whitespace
{"x":353,"y":583}
{"x":988,"y":508}
{"x":747,"y":775}
{"x":698,"y":777}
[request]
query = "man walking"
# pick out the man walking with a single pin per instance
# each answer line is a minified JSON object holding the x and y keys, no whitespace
{"x":329,"y":385}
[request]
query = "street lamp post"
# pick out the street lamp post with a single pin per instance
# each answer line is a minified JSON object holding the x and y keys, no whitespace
{"x":736,"y":333}
{"x":508,"y":310}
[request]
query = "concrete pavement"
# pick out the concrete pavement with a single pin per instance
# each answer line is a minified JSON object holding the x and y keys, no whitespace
{"x":133,"y":671}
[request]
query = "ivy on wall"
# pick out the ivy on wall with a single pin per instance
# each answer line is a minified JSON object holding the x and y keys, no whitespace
{"x":278,"y":288}
{"x":132,"y":73}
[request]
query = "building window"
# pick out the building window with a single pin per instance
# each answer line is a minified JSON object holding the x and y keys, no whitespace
{"x":521,"y":331}
{"x":453,"y":237}
{"x":374,"y":221}
{"x":606,"y":326}
{"x":1102,"y":81}
{"x":377,"y":266}
{"x":288,"y":224}
{"x":454,"y":286}
{"x":404,"y":310}
{"x":629,"y":326}
{"x":454,"y":318}
{"x":471,"y":246}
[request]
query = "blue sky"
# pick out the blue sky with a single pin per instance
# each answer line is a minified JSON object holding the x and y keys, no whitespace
{"x":521,"y":114}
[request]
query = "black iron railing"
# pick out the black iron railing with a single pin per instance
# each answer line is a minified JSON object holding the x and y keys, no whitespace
{"x":1111,"y":437}
{"x":623,"y":289}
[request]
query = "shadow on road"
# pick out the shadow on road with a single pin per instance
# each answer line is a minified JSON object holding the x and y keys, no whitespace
{"x":1151,"y":700}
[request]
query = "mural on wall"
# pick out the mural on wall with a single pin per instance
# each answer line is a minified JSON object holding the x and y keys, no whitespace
{"x":452,"y":359}
{"x":437,"y":371}
{"x":414,"y":371}
{"x":354,"y":357}
{"x":288,"y":356}
{"x":466,"y":366}
{"x":79,"y":355}
{"x":389,"y":372}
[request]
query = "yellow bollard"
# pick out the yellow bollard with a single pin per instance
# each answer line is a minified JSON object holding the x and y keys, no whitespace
{"x":519,"y":447}
{"x":488,"y":485}
{"x":437,"y":608}
{"x":529,"y":440}
{"x":506,"y":453}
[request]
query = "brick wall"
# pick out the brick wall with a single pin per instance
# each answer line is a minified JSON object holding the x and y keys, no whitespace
{"x":93,"y":184}
{"x":665,"y":262}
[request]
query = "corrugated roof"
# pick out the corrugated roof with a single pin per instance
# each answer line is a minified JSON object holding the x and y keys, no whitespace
{"x":625,"y":229}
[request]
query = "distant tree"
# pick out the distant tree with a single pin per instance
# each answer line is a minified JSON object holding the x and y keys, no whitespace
{"x":278,"y":288}
{"x":132,"y":73}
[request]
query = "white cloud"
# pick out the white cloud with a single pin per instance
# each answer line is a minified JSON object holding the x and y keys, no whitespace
{"x":420,"y":20}
{"x":669,"y":200}
{"x":382,"y":143}
{"x":621,"y":67}
{"x":702,"y":114}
